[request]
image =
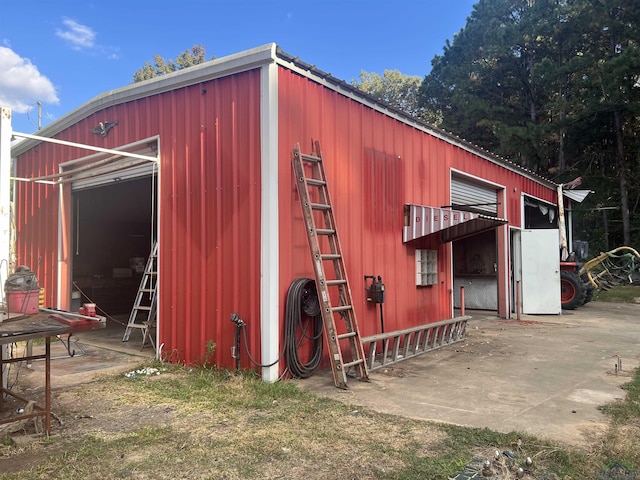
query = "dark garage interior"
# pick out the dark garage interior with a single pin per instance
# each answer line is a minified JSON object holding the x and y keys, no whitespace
{"x":112,"y":238}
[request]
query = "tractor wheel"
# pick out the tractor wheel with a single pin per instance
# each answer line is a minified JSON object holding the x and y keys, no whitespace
{"x":589,"y":289}
{"x":572,"y":291}
{"x":588,"y":294}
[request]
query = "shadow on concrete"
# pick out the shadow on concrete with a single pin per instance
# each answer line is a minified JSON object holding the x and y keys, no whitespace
{"x":545,"y":375}
{"x":97,"y":353}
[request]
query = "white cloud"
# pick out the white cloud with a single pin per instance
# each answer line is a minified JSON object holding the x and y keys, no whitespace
{"x":77,"y":35}
{"x":83,"y":37}
{"x":21,"y":84}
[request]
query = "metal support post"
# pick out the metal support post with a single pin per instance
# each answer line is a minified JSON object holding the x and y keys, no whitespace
{"x":518,"y":300}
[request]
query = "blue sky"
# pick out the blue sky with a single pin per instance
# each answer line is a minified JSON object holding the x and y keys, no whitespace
{"x":65,"y":52}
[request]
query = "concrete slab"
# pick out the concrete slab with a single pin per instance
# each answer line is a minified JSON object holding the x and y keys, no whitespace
{"x":97,"y":353}
{"x":545,"y":375}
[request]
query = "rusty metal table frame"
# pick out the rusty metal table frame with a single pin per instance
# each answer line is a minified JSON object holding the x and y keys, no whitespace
{"x":40,"y":325}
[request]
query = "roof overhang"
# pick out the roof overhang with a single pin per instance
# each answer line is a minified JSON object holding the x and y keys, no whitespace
{"x":576,"y":195}
{"x":217,"y":68}
{"x":450,"y":225}
{"x":326,"y":79}
{"x":256,"y":58}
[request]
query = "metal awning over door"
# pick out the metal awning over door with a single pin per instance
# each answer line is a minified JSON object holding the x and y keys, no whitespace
{"x":421,"y":221}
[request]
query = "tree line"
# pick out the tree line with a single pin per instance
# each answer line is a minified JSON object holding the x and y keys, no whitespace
{"x":552,"y":85}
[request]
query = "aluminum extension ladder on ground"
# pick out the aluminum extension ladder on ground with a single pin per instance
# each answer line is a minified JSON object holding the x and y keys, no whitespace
{"x":334,"y":293}
{"x":145,"y":303}
{"x":411,"y":342}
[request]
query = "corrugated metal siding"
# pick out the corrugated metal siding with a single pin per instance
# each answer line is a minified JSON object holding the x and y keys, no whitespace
{"x":374,"y":165}
{"x":36,"y":218}
{"x":514,"y":184}
{"x":209,"y":207}
{"x":210,"y":185}
{"x":36,"y":215}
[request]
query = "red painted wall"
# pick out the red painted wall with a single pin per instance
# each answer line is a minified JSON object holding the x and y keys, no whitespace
{"x":36,"y":216}
{"x":210,"y":190}
{"x":209,"y":203}
{"x":374,"y":165}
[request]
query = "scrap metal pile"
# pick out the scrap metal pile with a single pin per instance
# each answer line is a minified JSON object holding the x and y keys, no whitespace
{"x":610,"y":269}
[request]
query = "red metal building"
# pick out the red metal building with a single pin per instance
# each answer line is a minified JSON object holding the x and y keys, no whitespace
{"x":221,"y":201}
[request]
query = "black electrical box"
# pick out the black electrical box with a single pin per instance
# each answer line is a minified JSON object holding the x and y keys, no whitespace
{"x":375,"y":291}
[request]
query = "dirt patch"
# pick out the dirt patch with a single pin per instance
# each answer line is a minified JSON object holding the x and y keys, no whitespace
{"x":394,"y":372}
{"x":533,"y":377}
{"x":130,"y":426}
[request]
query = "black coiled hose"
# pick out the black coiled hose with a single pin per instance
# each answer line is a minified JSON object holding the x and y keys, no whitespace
{"x":303,"y":312}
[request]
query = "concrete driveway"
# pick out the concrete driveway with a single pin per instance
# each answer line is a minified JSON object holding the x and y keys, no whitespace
{"x":545,"y":375}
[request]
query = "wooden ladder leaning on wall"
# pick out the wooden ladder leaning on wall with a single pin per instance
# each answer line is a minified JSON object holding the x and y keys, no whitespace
{"x":334,"y":293}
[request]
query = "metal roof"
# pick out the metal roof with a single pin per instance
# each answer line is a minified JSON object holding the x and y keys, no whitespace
{"x":334,"y":83}
{"x":212,"y":69}
{"x":576,"y":195}
{"x":254,"y":58}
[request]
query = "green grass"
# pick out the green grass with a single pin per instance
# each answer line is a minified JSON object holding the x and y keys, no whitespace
{"x":619,"y":294}
{"x":207,"y":423}
{"x":623,"y":437}
{"x":629,"y":409}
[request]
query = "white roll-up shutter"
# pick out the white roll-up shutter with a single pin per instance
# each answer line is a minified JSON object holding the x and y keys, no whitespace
{"x":469,"y":195}
{"x":103,"y":169}
{"x":110,"y":176}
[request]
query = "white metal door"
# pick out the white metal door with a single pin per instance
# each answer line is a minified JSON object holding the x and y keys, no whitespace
{"x":540,"y":271}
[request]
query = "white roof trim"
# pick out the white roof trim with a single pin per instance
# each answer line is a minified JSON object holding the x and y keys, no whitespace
{"x":239,"y":62}
{"x":249,"y":60}
{"x":345,"y":89}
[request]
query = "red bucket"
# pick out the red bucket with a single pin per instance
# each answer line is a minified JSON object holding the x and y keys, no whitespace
{"x":23,"y":301}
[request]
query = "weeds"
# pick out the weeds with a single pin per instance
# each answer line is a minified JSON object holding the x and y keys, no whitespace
{"x":628,"y":409}
{"x":211,"y":423}
{"x":619,"y":294}
{"x":623,"y":437}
